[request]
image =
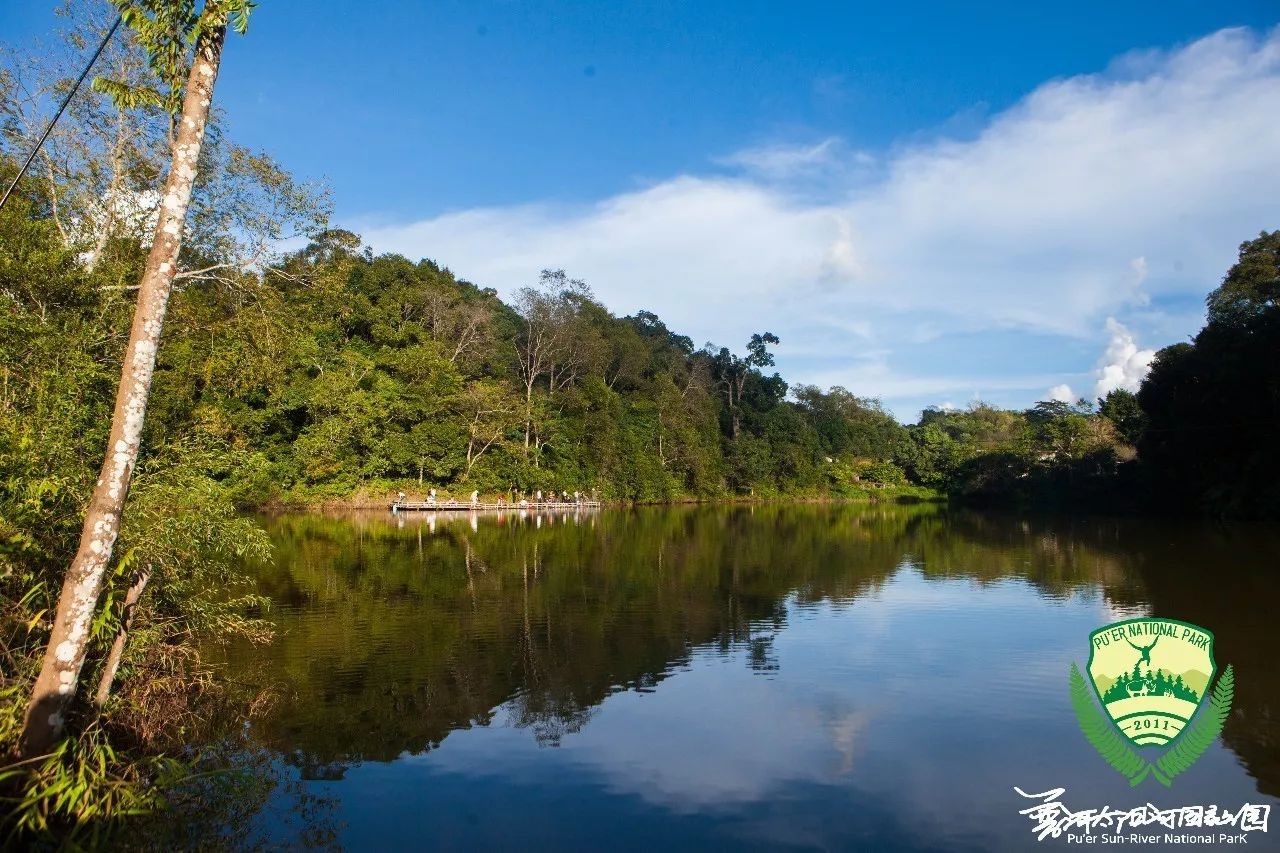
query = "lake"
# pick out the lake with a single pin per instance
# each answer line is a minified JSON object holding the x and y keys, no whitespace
{"x":732,"y":677}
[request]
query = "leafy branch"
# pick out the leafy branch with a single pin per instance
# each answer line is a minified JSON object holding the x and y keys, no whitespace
{"x":1199,"y":735}
{"x":1103,"y":735}
{"x":1203,"y":731}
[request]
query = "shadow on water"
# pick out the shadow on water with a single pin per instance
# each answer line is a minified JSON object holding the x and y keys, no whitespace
{"x":914,"y":639}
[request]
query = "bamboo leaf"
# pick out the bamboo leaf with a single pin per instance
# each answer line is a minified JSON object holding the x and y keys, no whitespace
{"x":35,"y":620}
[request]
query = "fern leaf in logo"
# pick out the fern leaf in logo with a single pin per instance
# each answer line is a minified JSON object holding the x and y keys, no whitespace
{"x":1102,"y":734}
{"x":1203,"y":731}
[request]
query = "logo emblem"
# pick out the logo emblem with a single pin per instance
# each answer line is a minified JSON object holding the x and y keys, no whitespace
{"x":1152,"y":678}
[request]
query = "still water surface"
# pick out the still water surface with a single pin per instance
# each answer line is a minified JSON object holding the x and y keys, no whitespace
{"x":817,"y":677}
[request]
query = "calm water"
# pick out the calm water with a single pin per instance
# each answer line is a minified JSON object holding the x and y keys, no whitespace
{"x":812,"y":677}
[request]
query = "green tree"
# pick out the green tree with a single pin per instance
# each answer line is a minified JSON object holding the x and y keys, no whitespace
{"x":1252,"y":285}
{"x":1212,"y":404}
{"x":1121,"y":407}
{"x":733,"y":374}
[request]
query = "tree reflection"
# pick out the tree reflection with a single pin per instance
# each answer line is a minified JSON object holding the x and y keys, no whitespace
{"x":397,"y":631}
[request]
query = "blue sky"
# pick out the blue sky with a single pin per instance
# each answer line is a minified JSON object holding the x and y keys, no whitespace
{"x":928,"y":203}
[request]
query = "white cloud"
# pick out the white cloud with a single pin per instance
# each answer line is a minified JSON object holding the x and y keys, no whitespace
{"x":693,"y":249}
{"x":825,"y":170}
{"x":784,"y":161}
{"x":1062,"y":393}
{"x":1123,"y":365}
{"x":1090,"y":198}
{"x":1140,"y":270}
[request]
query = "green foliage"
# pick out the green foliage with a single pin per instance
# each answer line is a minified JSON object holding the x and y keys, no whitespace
{"x":82,"y":785}
{"x":329,"y":372}
{"x":1104,"y":737}
{"x":1212,"y":404}
{"x":183,"y":526}
{"x":885,"y":473}
{"x":1203,"y":730}
{"x":1252,"y":285}
{"x":1122,"y":408}
{"x":339,"y":372}
{"x":166,"y":30}
{"x":1201,"y":424}
{"x":63,"y":318}
{"x":1054,"y":453}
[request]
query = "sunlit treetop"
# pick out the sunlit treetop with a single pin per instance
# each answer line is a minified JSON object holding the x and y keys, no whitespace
{"x":168,"y":30}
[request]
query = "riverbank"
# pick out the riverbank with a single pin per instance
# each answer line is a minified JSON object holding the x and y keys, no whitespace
{"x":380,"y":494}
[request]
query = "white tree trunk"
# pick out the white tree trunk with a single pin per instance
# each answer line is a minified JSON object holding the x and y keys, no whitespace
{"x":107,"y":225}
{"x":82,"y":587}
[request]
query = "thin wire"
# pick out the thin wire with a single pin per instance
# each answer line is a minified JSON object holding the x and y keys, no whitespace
{"x":66,"y":100}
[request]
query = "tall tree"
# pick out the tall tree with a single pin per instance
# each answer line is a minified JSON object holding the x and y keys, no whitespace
{"x":733,"y":371}
{"x":1212,"y":404}
{"x":1252,"y":285}
{"x":165,"y":28}
{"x":550,"y":346}
{"x":1121,"y":407}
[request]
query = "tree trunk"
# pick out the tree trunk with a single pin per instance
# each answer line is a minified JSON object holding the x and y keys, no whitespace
{"x":107,"y":225}
{"x":69,"y":640}
{"x":122,"y":635}
{"x":528,"y":415}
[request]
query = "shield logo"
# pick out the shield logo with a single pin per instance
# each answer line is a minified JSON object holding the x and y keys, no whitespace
{"x":1151,"y":676}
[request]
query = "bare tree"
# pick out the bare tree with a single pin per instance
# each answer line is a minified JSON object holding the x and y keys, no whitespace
{"x":492,"y":412}
{"x":553,"y":345}
{"x":462,"y":326}
{"x":242,"y":215}
{"x":96,"y":168}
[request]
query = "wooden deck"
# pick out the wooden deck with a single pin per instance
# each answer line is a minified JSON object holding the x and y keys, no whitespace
{"x":455,"y":506}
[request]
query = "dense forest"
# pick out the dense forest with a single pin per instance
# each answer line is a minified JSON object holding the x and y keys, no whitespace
{"x":335,"y":372}
{"x":298,"y":367}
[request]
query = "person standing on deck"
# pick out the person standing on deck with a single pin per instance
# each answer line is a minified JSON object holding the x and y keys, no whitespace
{"x":539,"y":498}
{"x":431,"y":497}
{"x":475,"y":498}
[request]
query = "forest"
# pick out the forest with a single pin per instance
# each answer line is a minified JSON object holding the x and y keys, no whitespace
{"x":335,"y":373}
{"x":298,"y":367}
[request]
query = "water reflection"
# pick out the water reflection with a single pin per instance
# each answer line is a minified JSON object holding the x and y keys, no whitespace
{"x":812,"y":676}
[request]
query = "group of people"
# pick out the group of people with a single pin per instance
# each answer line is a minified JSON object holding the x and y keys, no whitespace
{"x":564,"y":497}
{"x":551,"y":498}
{"x":433,"y":498}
